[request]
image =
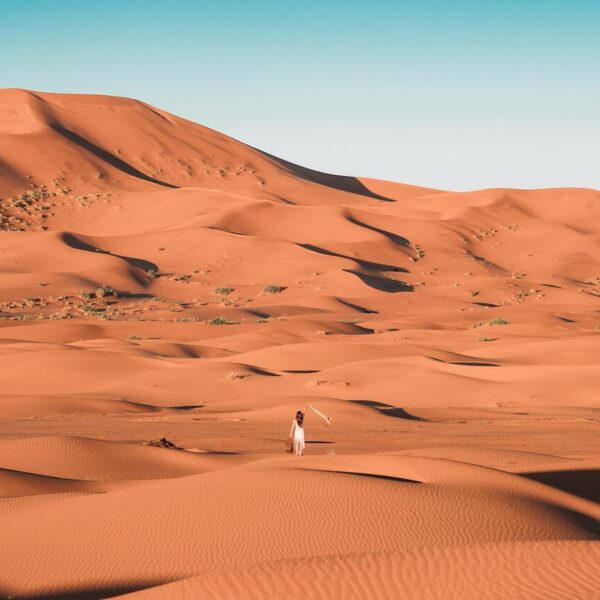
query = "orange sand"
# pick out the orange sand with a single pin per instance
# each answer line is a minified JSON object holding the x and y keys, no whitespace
{"x":452,"y":337}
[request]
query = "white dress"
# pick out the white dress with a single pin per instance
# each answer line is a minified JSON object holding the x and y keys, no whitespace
{"x":297,"y":435}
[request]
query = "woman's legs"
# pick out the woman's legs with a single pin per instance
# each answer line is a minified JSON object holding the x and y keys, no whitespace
{"x":297,"y":447}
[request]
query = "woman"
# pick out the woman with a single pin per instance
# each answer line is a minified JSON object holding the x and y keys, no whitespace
{"x":296,"y":439}
{"x":297,"y":434}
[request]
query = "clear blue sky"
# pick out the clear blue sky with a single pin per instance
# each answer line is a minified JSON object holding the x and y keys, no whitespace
{"x":456,"y":94}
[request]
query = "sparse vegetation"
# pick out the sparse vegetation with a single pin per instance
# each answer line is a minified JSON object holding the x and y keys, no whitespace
{"x":493,"y":322}
{"x":221,"y":321}
{"x":104,"y":291}
{"x":274,"y":289}
{"x":92,"y":310}
{"x":487,"y":339}
{"x":223,"y":291}
{"x":134,"y":337}
{"x":499,"y":321}
{"x":163,"y":442}
{"x":474,"y":293}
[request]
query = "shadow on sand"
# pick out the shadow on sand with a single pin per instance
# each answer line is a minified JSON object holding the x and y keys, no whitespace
{"x":584,"y":483}
{"x":343,"y":183}
{"x":388,"y":410}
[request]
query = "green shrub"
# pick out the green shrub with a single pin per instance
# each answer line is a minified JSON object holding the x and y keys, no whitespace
{"x":223,"y":291}
{"x":103,"y":291}
{"x":499,"y":321}
{"x":493,"y":322}
{"x":221,"y":321}
{"x":274,"y":289}
{"x":92,"y":310}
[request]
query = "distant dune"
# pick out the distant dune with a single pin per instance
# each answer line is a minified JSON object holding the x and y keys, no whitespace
{"x":159,"y":278}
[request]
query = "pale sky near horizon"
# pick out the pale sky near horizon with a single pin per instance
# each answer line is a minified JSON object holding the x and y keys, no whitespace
{"x":455,"y":95}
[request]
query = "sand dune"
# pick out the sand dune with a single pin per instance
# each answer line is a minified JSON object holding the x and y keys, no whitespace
{"x":290,"y":509}
{"x":160,"y":279}
{"x":516,"y":570}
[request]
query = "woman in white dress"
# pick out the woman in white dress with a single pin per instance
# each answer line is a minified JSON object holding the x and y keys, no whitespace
{"x":296,"y":441}
{"x":297,"y":434}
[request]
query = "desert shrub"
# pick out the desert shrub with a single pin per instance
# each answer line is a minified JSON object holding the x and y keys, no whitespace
{"x":92,"y":310}
{"x":134,"y":337}
{"x":274,"y":289}
{"x":163,"y":442}
{"x":86,"y":295}
{"x":220,"y":321}
{"x":493,"y":322}
{"x":499,"y":321}
{"x":223,"y":291}
{"x":103,"y":291}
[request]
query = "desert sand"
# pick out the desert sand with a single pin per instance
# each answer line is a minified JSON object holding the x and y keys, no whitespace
{"x":160,"y":279}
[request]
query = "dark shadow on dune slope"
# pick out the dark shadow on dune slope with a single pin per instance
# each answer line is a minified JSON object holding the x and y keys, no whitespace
{"x":369,"y":475}
{"x":259,"y":371}
{"x":356,"y":307}
{"x":551,"y":285}
{"x":366,"y":264}
{"x":388,"y":410}
{"x":565,"y":319}
{"x":78,"y":244}
{"x":584,"y":483}
{"x":393,"y":237}
{"x":109,"y":158}
{"x":382,"y":284}
{"x":464,"y":363}
{"x":343,"y":183}
{"x":95,"y":593}
{"x":584,"y":522}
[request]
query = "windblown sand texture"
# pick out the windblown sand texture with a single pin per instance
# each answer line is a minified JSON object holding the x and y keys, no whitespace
{"x":160,"y":279}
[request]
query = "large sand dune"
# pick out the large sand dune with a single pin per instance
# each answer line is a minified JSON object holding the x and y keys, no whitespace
{"x":161,"y":279}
